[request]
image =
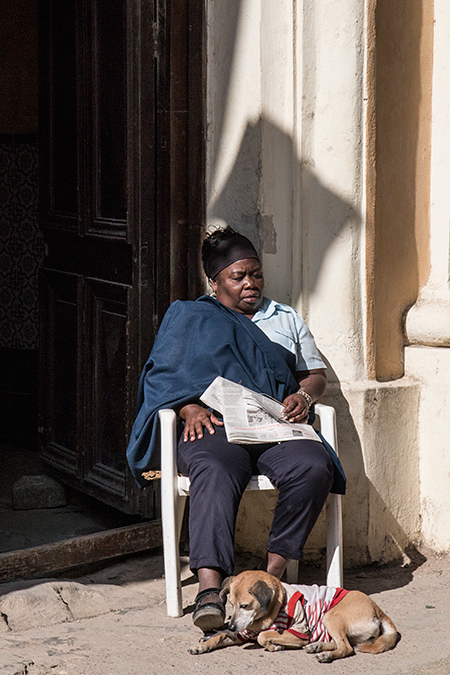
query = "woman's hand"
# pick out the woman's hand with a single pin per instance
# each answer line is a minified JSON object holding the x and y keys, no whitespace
{"x":196,"y":417}
{"x":296,"y":408}
{"x":314,"y":383}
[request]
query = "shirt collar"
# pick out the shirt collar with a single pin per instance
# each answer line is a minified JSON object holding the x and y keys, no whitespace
{"x":267,"y":309}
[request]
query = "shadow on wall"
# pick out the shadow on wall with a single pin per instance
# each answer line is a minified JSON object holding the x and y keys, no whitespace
{"x":323,"y":213}
{"x":327,"y":215}
{"x":398,"y":180}
{"x":266,"y":178}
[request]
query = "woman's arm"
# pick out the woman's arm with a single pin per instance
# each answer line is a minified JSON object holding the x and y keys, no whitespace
{"x":314,"y":383}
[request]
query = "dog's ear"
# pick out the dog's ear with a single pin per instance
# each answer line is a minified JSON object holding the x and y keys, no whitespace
{"x":226,"y":588}
{"x":263,"y":593}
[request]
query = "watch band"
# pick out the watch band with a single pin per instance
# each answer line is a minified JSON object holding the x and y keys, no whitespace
{"x":307,"y":397}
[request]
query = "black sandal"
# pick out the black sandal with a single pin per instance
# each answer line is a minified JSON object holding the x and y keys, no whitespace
{"x":208,"y":616}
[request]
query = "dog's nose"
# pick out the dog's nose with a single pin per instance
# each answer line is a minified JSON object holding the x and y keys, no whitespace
{"x":232,"y":627}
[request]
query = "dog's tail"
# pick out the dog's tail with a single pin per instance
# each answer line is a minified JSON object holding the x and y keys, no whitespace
{"x":388,"y":638}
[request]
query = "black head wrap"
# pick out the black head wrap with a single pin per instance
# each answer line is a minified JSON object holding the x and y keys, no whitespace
{"x":226,"y":252}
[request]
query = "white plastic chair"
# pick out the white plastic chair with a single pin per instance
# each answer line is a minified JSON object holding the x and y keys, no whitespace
{"x":175,"y":489}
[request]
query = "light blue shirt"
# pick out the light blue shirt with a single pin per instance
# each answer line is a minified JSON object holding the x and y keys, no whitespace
{"x":284,"y":325}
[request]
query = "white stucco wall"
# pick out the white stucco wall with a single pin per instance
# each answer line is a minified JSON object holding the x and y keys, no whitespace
{"x":285,"y":166}
{"x":284,"y":156}
{"x":430,"y":366}
{"x":234,"y":115}
{"x":428,"y":321}
{"x":427,"y":358}
{"x":329,"y":292}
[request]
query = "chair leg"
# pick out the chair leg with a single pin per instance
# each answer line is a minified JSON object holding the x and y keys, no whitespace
{"x":334,"y":541}
{"x":335,"y":575}
{"x":169,"y":515}
{"x":181,"y":506}
{"x":292,"y":572}
{"x":334,"y":546}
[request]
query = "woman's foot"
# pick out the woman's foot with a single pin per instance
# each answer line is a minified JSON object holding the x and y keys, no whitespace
{"x":209,"y":613}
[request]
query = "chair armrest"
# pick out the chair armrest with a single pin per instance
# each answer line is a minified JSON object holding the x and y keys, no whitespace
{"x":327,"y":416}
{"x":168,"y":422}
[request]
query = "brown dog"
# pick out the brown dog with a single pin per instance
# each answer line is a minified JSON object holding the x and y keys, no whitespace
{"x":280,"y":616}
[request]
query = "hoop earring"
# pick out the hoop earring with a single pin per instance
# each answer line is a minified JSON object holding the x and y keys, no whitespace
{"x":213,"y":293}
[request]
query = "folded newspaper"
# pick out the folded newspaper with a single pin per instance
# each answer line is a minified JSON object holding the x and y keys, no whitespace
{"x":250,"y":417}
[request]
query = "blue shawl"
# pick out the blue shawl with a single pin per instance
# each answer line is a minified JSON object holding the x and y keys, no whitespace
{"x":198,"y":341}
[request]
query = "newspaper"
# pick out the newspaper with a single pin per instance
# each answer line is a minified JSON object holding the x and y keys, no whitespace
{"x":250,"y":417}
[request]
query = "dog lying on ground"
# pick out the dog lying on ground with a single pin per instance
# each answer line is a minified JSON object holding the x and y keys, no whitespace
{"x":326,"y":621}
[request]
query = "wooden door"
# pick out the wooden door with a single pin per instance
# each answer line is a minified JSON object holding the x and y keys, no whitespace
{"x":120,"y":214}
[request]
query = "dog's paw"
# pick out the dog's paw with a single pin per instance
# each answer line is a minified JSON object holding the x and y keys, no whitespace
{"x":273,"y":648}
{"x":218,"y":639}
{"x":313,"y":648}
{"x":324,"y":657}
{"x":201,"y":648}
{"x":206,"y":643}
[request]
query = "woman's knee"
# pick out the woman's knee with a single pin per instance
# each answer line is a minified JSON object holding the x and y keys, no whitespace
{"x":299,"y":461}
{"x":320,"y":471}
{"x":319,"y":462}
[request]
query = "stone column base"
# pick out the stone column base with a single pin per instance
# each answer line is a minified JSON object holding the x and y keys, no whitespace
{"x":431,"y":367}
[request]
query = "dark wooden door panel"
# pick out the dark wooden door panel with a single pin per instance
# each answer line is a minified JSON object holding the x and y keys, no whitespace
{"x":121,"y":207}
{"x":58,"y":147}
{"x":106,"y":368}
{"x":59,"y":364}
{"x":110,"y":111}
{"x":92,"y":286}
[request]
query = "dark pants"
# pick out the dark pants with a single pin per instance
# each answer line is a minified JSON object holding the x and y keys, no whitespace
{"x":219,"y":472}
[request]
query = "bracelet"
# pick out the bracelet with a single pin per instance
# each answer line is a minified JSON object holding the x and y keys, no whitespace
{"x":307,"y":397}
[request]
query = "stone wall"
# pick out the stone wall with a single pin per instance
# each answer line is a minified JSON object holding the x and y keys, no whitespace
{"x":292,"y":163}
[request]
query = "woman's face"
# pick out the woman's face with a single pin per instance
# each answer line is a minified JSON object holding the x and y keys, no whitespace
{"x":240,"y":286}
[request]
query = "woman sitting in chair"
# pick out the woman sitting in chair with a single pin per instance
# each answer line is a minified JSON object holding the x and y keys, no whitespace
{"x":264,"y":345}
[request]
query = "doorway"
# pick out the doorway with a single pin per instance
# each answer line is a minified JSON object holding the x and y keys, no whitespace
{"x":120,"y":145}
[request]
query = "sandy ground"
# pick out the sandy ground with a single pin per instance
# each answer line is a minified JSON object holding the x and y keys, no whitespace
{"x":112,"y":621}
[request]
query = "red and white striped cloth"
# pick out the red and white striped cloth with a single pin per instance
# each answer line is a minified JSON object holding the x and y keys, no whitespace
{"x":303,"y":612}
